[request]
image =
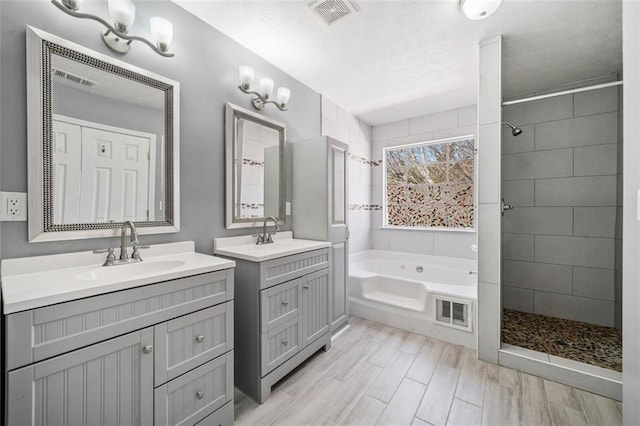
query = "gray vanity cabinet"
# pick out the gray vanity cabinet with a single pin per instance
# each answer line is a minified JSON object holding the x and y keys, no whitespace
{"x":282,"y":317}
{"x":157,"y":354}
{"x":108,"y":383}
{"x":319,"y":209}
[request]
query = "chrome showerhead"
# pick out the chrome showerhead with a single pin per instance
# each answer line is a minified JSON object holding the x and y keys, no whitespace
{"x":515,"y":131}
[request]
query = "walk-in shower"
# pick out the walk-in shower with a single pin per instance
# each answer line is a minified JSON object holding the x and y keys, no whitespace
{"x":562,"y":242}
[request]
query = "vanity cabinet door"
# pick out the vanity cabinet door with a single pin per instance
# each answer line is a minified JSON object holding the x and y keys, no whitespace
{"x":107,"y":383}
{"x":314,"y":293}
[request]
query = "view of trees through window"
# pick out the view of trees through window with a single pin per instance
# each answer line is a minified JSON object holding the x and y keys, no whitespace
{"x":430,"y":185}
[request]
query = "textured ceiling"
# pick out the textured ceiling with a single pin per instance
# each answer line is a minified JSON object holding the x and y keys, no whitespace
{"x":396,"y":59}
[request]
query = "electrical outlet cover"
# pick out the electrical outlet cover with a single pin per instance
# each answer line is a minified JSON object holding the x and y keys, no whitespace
{"x":13,"y":206}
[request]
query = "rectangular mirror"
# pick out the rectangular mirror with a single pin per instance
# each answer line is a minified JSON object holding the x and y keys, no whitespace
{"x":103,"y":141}
{"x":255,"y":168}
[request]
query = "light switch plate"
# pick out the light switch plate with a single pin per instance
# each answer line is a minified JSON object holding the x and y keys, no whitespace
{"x":287,"y":208}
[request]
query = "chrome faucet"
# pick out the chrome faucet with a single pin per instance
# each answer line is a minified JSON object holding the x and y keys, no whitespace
{"x":134,"y":240}
{"x":124,"y":256}
{"x":265,"y":238}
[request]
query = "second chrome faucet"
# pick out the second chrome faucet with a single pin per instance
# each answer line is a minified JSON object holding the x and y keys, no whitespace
{"x":265,"y":238}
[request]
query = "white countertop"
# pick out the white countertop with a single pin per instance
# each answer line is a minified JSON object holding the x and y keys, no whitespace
{"x":33,"y":282}
{"x":245,"y":247}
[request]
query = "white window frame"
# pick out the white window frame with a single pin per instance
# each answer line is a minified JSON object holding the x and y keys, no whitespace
{"x":385,"y":224}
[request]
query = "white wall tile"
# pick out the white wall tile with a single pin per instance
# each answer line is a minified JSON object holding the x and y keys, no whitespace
{"x":411,"y":241}
{"x":409,"y":139}
{"x":359,"y":241}
{"x":390,"y":130}
{"x":468,"y":116}
{"x":489,"y":163}
{"x":488,"y":243}
{"x":329,"y":109}
{"x":455,"y":132}
{"x":380,"y":239}
{"x":454,"y":244}
{"x":488,"y":322}
{"x":437,"y":121}
{"x":490,"y":92}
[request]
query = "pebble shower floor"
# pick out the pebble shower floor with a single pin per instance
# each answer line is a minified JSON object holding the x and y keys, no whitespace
{"x":579,"y":341}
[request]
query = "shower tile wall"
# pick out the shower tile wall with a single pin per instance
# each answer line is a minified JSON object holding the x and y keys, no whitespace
{"x":440,"y":125}
{"x":619,"y":196}
{"x":340,"y":125}
{"x":560,"y":174}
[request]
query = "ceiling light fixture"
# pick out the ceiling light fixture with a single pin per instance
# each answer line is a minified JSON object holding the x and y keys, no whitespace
{"x":261,"y":98}
{"x":479,"y":9}
{"x":123,"y":13}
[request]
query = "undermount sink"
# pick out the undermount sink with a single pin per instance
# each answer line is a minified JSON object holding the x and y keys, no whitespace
{"x":129,"y":269}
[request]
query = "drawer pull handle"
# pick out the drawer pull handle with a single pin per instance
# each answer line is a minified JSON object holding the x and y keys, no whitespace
{"x":199,"y":394}
{"x":285,"y":303}
{"x":200,"y":339}
{"x":147,"y":349}
{"x":285,"y":342}
{"x":306,"y":286}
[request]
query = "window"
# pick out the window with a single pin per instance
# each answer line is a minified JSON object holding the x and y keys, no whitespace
{"x":430,"y":184}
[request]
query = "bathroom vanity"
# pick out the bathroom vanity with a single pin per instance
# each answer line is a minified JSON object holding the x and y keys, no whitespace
{"x":282,"y":294}
{"x":146,"y":343}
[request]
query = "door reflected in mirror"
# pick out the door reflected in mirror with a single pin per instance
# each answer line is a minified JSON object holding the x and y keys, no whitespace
{"x":108,"y":137}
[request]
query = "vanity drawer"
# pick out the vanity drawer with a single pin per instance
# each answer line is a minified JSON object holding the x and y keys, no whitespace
{"x":280,"y":344}
{"x":186,"y":342}
{"x":222,"y":417}
{"x":279,"y":304}
{"x":41,"y":333}
{"x":193,"y":396}
{"x":287,"y":268}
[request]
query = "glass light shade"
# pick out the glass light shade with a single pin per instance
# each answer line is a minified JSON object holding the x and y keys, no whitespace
{"x":283,"y":95}
{"x":246,"y":75}
{"x":161,"y":31}
{"x":123,"y":12}
{"x":479,"y":9}
{"x":266,"y":87}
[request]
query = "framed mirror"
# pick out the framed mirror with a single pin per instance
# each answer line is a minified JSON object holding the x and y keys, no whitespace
{"x":103,"y":143}
{"x":255,"y":168}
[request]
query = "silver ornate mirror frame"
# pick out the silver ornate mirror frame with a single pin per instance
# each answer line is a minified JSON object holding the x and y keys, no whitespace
{"x":40,"y":46}
{"x":232,"y":115}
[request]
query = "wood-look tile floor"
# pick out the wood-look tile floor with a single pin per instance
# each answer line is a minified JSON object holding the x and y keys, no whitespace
{"x":376,"y":374}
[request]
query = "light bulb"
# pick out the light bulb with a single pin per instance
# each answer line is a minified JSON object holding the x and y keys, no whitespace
{"x":266,"y":87}
{"x":283,"y":96}
{"x":246,"y":75}
{"x":162,"y":32}
{"x":479,"y":9}
{"x":72,"y":4}
{"x":123,"y":13}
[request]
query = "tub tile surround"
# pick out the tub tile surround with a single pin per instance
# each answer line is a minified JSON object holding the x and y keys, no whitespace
{"x":559,"y":242}
{"x":440,"y":125}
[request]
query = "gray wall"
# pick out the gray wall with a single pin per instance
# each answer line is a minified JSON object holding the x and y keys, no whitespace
{"x":560,"y":174}
{"x":206,"y":64}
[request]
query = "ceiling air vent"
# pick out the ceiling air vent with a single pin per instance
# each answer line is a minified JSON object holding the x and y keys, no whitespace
{"x":329,"y":11}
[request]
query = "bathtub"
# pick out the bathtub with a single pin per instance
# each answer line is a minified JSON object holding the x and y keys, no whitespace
{"x":400,"y":290}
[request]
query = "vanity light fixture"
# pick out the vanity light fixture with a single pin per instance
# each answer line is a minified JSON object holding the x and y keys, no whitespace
{"x":261,"y":98}
{"x":479,"y":9}
{"x":123,"y":13}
